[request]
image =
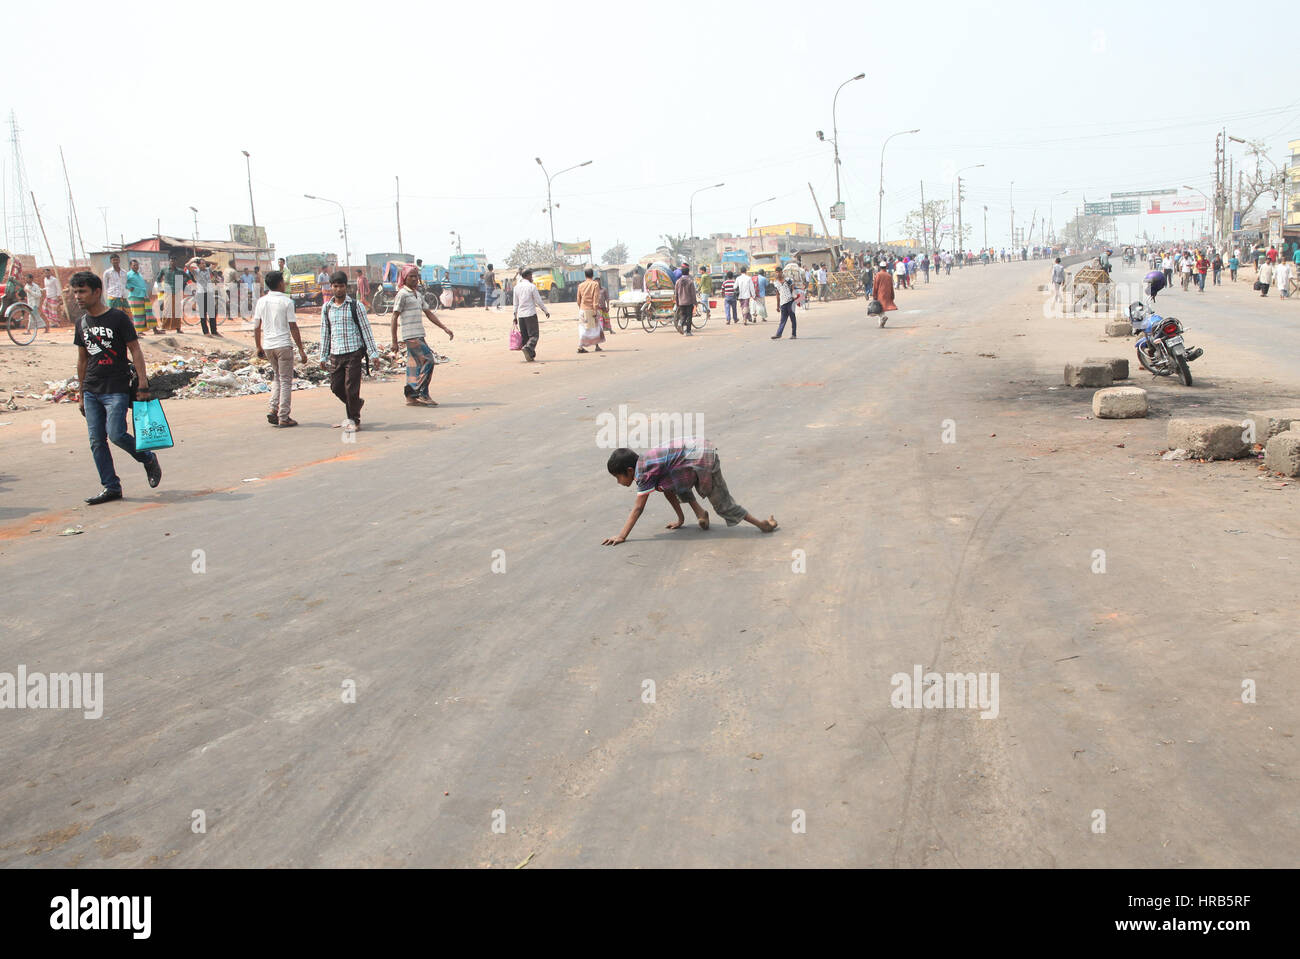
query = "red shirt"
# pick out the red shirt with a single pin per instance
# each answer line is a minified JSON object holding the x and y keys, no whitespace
{"x":1272,"y":255}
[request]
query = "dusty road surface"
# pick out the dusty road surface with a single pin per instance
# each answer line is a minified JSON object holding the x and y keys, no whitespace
{"x":686,"y":698}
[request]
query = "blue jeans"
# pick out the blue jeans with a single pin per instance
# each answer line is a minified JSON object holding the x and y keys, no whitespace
{"x":787,"y":313}
{"x":106,"y":420}
{"x":732,"y":314}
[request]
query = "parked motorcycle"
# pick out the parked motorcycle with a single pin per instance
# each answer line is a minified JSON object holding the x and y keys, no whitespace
{"x":1160,"y":349}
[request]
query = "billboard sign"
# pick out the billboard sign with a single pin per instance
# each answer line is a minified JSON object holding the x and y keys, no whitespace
{"x":243,"y":234}
{"x":837,"y":211}
{"x":574,"y":249}
{"x":1142,"y":193}
{"x":1186,"y":204}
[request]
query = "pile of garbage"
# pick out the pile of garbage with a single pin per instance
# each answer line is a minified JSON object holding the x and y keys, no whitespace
{"x":56,"y":391}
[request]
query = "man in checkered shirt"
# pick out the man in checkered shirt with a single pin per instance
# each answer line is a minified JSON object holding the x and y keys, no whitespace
{"x":345,"y":338}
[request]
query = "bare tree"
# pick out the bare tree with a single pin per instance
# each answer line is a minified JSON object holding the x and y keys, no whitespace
{"x":528,"y":252}
{"x":615,"y":255}
{"x":1259,"y":182}
{"x":922,"y":224}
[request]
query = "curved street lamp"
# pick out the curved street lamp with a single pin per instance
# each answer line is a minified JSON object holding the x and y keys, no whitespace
{"x":550,"y":207}
{"x":700,"y":190}
{"x":749,"y":223}
{"x":880,"y":204}
{"x":835,"y":143}
{"x":347,"y":250}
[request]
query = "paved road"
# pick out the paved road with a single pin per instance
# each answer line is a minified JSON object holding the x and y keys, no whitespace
{"x":523,"y":691}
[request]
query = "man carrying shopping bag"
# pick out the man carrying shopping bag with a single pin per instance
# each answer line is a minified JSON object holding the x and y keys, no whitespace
{"x":104,"y":338}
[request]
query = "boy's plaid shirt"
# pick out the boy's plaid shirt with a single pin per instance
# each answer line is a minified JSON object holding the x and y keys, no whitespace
{"x":338,"y":334}
{"x":680,"y":467}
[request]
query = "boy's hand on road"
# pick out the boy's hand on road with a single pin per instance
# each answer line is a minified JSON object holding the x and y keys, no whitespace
{"x":614,"y":541}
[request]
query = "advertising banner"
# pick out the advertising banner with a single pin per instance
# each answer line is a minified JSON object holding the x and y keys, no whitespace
{"x":574,"y":249}
{"x":1187,"y":204}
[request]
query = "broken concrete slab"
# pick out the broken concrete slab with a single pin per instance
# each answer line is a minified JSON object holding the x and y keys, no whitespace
{"x":1119,"y":328}
{"x":1282,"y":453}
{"x":1208,"y":438}
{"x":1088,"y":374}
{"x":1271,"y":422}
{"x":1118,"y":365}
{"x":1120,"y":403}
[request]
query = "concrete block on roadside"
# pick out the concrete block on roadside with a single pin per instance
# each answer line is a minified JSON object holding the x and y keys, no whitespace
{"x":1088,"y":374}
{"x":1119,"y":403}
{"x":1118,"y":328}
{"x":1271,"y":422}
{"x":1118,"y":365}
{"x":1282,"y":453}
{"x":1208,"y":438}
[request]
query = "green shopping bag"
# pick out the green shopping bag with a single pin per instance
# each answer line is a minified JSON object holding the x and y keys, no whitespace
{"x":151,"y":429}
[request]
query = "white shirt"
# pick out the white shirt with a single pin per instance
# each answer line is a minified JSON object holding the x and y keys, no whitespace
{"x":115,"y":284}
{"x":273,"y":314}
{"x":52,"y":287}
{"x":744,"y":287}
{"x":527,"y":300}
{"x":821,"y":276}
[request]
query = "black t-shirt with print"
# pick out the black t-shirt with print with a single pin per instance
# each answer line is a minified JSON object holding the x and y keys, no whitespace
{"x":105,"y":338}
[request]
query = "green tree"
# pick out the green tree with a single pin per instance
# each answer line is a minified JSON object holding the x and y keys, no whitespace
{"x":615,"y":255}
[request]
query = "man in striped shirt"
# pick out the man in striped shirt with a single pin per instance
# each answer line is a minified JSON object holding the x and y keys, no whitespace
{"x":729,"y":297}
{"x":409,"y":310}
{"x":345,"y":339}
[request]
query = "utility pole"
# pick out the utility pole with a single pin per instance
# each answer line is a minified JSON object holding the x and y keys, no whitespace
{"x":1012,"y":196}
{"x":257,"y":246}
{"x":986,"y":226}
{"x":398,"y":181}
{"x":961,"y":252}
{"x":819,"y":211}
{"x":50,"y":251}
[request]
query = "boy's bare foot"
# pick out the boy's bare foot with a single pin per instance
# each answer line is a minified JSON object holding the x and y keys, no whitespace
{"x":768,"y":525}
{"x":704,"y":521}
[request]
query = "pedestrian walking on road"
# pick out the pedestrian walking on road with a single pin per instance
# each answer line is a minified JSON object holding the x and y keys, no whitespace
{"x":759,"y":303}
{"x":589,"y":329}
{"x":107,"y":350}
{"x":823,"y":285}
{"x":275,"y":334}
{"x":1282,"y":274}
{"x":745,"y":293}
{"x":785,"y":303}
{"x":115,"y":286}
{"x":346,"y":342}
{"x":409,"y":310}
{"x":1265,"y":278}
{"x":1216,"y":265}
{"x":52,"y":304}
{"x":1234,"y":264}
{"x":137,"y":299}
{"x":678,"y":470}
{"x":1058,"y":282}
{"x":882,"y":290}
{"x":729,"y":298}
{"x":527,"y":302}
{"x":1202,"y":267}
{"x":704,"y":284}
{"x":685,"y":298}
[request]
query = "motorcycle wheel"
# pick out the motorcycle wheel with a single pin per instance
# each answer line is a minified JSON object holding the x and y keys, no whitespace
{"x":1146,"y":364}
{"x":1183,"y":371}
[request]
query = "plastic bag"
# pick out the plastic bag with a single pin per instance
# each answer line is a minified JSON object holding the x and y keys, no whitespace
{"x":874,"y":308}
{"x":150,"y":423}
{"x":516,"y":338}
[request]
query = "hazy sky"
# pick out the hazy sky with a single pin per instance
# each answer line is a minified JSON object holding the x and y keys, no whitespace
{"x":152,"y":110}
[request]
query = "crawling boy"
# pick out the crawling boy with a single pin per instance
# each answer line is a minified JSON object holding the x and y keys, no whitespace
{"x":677,"y":470}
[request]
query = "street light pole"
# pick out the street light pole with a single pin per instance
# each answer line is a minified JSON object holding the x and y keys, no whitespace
{"x":835,"y":143}
{"x":1011,"y":194}
{"x":196,"y":230}
{"x":700,"y":190}
{"x":550,"y":207}
{"x":347,"y":250}
{"x":880,"y":202}
{"x":257,"y":247}
{"x":749,"y":223}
